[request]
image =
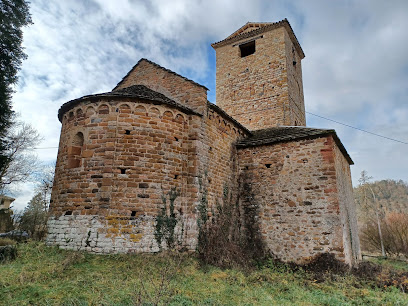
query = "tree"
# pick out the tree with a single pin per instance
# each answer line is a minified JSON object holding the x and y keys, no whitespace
{"x":35,"y":216}
{"x":371,"y":205}
{"x":45,"y":180}
{"x":14,"y":14}
{"x":21,"y":162}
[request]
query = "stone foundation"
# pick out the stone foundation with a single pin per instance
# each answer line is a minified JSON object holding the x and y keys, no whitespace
{"x":113,"y":234}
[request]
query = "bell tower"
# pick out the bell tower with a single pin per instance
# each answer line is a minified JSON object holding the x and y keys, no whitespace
{"x":259,"y":76}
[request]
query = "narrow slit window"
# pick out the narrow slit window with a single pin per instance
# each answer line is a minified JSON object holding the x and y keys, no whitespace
{"x":247,"y":49}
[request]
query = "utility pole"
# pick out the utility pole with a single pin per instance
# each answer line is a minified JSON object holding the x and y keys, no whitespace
{"x":364,"y":182}
{"x":378,"y":221}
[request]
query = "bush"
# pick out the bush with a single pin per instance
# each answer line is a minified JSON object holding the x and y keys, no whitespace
{"x":231,"y":237}
{"x":8,"y":252}
{"x":395,"y":235}
{"x":219,"y":243}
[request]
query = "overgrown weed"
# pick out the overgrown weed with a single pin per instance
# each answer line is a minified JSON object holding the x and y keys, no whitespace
{"x":37,"y":277}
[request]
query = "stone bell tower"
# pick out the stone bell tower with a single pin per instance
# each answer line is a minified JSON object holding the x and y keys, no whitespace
{"x":259,"y":76}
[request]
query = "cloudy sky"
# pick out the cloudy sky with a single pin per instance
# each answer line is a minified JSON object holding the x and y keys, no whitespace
{"x":355,"y":70}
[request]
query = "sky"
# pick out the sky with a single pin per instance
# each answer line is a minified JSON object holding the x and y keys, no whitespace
{"x":355,"y":70}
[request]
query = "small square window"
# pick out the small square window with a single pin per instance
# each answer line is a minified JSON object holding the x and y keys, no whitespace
{"x":247,"y":49}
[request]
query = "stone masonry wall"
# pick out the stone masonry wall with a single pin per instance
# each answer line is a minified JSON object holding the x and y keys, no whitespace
{"x":347,"y":208}
{"x":108,"y":189}
{"x":216,"y":151}
{"x":132,"y":154}
{"x":169,"y":84}
{"x":6,"y":222}
{"x":256,"y":90}
{"x":295,"y":84}
{"x":295,"y":187}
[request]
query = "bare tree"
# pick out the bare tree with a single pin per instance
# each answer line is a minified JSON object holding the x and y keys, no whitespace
{"x":371,"y":205}
{"x":35,"y":215}
{"x":45,"y":180}
{"x":21,"y":160}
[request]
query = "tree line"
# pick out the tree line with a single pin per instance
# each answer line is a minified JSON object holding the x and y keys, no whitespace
{"x":382,"y":211}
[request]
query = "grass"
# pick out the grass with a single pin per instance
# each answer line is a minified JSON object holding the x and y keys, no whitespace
{"x":390,"y":263}
{"x":44,"y":275}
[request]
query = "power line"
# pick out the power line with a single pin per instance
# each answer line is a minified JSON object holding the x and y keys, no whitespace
{"x":338,"y":122}
{"x":356,"y":128}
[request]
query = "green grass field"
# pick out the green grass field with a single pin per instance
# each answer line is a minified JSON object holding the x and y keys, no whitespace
{"x":46,"y":276}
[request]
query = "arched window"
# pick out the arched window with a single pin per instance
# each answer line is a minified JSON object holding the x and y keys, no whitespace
{"x":78,"y":140}
{"x":75,"y":150}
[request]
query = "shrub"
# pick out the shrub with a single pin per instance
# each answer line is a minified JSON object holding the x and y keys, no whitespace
{"x":231,"y":237}
{"x":166,"y":222}
{"x":8,"y":252}
{"x":395,"y":234}
{"x":220,"y":243}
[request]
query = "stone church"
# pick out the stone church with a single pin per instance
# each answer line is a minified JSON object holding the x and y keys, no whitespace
{"x":122,"y":152}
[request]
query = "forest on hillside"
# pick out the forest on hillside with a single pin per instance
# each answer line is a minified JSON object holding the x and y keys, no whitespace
{"x":392,"y":195}
{"x":382,"y":212}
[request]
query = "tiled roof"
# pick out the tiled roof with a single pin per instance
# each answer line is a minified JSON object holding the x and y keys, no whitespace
{"x":265,"y":27}
{"x":134,"y":91}
{"x":289,"y":133}
{"x":158,"y":66}
{"x":247,"y":26}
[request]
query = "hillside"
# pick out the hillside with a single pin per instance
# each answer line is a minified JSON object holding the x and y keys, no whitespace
{"x":46,"y":275}
{"x":392,"y":195}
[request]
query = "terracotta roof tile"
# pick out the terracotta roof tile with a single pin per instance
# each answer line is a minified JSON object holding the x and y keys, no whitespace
{"x":289,"y":133}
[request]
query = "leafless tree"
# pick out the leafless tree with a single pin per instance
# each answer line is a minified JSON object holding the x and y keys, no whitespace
{"x":21,"y":159}
{"x":45,"y":180}
{"x":369,"y":203}
{"x":35,"y":216}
